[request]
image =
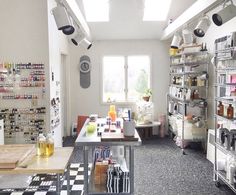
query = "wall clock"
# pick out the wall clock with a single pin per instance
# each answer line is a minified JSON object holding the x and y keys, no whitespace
{"x":85,"y":68}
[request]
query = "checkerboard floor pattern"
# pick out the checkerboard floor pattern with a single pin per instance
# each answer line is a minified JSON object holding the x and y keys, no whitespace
{"x":45,"y":184}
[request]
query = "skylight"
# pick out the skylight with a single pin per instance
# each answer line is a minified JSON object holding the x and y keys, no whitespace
{"x":156,"y":10}
{"x":96,"y":10}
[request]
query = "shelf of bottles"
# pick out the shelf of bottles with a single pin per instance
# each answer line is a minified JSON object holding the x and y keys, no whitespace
{"x":225,"y":107}
{"x":22,"y":105}
{"x":187,"y":96}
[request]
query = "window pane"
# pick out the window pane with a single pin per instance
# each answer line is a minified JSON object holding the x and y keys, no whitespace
{"x":138,"y":76}
{"x":113,"y":79}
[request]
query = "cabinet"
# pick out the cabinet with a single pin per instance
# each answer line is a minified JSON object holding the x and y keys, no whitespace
{"x":225,"y":116}
{"x":187,"y":97}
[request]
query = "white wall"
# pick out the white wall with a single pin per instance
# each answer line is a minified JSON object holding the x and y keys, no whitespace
{"x":24,"y":35}
{"x":87,"y":101}
{"x":28,"y":34}
{"x":213,"y":33}
{"x":58,"y":45}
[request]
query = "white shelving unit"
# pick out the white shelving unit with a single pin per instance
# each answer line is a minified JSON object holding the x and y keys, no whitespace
{"x":188,"y":92}
{"x":225,"y":126}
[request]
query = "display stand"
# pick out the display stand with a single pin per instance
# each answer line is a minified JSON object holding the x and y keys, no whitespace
{"x":90,"y":142}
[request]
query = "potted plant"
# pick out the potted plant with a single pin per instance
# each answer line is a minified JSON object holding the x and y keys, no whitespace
{"x":147,"y":94}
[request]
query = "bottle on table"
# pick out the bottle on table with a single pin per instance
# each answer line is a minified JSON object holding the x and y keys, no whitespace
{"x":112,"y":113}
{"x":49,"y":145}
{"x":41,"y":145}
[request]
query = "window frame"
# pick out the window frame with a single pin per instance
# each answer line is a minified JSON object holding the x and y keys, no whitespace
{"x":126,"y":102}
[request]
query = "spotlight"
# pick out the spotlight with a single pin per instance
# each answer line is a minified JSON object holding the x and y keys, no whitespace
{"x":86,"y":43}
{"x":80,"y":39}
{"x":63,"y":20}
{"x":176,"y":41}
{"x":202,"y":27}
{"x":187,"y":36}
{"x":224,"y":15}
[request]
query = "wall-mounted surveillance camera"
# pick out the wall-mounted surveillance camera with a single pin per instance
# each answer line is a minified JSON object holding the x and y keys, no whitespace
{"x":63,"y":20}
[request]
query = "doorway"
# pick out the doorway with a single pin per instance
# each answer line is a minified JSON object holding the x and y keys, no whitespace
{"x":63,"y":94}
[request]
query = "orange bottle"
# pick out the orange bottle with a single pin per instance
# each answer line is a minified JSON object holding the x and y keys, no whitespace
{"x":112,"y":113}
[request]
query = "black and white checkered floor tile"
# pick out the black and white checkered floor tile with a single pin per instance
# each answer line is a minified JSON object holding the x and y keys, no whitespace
{"x":45,"y":184}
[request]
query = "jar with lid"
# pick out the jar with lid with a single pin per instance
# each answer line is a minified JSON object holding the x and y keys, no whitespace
{"x":41,"y":145}
{"x":49,"y":145}
{"x":230,"y":112}
{"x":220,"y":109}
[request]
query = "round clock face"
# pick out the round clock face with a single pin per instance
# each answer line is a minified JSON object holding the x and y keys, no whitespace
{"x":85,"y":67}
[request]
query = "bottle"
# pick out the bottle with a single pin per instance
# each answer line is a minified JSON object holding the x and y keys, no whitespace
{"x":41,"y":145}
{"x":112,"y":113}
{"x":220,"y":109}
{"x":49,"y":145}
{"x":230,"y":112}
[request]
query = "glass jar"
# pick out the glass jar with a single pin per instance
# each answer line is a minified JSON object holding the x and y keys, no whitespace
{"x":49,"y":145}
{"x":41,"y":145}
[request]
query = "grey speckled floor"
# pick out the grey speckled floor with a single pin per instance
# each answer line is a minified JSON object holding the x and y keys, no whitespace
{"x":161,"y":169}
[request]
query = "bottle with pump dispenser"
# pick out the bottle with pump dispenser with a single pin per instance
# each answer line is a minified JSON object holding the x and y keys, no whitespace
{"x":49,"y":145}
{"x":41,"y":145}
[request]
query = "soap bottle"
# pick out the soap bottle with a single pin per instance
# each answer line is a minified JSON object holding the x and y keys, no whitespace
{"x":49,"y":145}
{"x":41,"y":145}
{"x":220,"y":109}
{"x":230,"y":112}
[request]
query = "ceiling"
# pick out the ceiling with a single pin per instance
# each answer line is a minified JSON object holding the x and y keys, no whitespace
{"x":126,"y":20}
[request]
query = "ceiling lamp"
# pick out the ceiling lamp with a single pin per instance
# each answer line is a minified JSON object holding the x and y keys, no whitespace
{"x":224,"y":15}
{"x":80,"y":39}
{"x":187,"y":36}
{"x":202,"y":27}
{"x":176,"y":41}
{"x":63,"y":20}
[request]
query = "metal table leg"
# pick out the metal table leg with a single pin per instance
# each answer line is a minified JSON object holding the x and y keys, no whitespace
{"x":131,"y":169}
{"x":85,"y":152}
{"x":68,"y":179}
{"x":58,"y":187}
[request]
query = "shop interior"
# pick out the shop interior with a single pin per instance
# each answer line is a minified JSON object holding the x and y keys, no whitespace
{"x":118,"y":97}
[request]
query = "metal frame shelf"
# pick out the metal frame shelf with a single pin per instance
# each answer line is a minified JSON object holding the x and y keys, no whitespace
{"x":227,"y":70}
{"x":201,"y":60}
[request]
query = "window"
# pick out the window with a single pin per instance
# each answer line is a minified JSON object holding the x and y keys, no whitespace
{"x":96,"y":10}
{"x":125,"y":78}
{"x":156,"y":10}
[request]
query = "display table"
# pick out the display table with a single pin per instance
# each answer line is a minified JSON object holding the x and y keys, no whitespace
{"x":57,"y":163}
{"x":92,"y":141}
{"x":145,"y":130}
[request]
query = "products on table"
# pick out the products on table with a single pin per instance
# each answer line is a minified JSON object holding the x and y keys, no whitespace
{"x":230,"y":112}
{"x":220,"y":109}
{"x":118,"y":180}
